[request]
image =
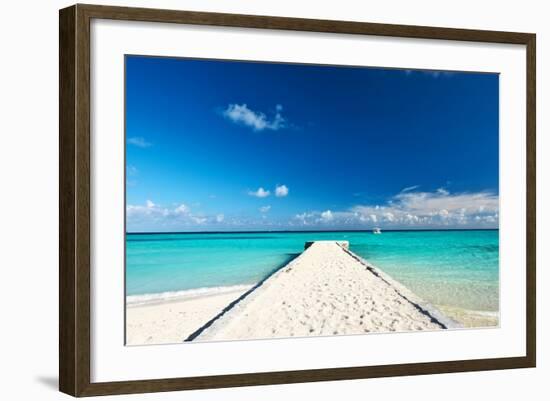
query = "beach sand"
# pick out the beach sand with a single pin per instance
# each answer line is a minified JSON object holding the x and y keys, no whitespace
{"x":171,"y":321}
{"x":327,"y":290}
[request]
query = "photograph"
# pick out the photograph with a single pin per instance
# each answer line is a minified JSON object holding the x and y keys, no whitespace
{"x":269,"y":200}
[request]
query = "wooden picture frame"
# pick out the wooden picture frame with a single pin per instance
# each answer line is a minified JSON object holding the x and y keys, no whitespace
{"x":74,"y":203}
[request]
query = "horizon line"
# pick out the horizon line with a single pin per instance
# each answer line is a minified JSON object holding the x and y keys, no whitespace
{"x":307,"y":231}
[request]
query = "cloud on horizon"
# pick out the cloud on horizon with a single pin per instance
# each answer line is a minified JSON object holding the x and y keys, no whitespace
{"x":181,"y":214}
{"x":258,"y":121}
{"x":415,"y":209}
{"x":327,"y":215}
{"x":437,"y":209}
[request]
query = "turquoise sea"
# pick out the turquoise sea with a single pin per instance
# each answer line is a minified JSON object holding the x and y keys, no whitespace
{"x":456,"y":269}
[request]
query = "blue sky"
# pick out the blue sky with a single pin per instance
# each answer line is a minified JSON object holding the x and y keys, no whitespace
{"x":225,"y":146}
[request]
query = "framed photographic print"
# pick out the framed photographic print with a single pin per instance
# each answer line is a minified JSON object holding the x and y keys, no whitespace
{"x":250,"y":200}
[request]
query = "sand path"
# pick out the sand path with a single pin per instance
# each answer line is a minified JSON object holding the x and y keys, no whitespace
{"x":325,"y":291}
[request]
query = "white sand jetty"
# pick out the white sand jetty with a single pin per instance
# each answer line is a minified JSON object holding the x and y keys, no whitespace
{"x":327,"y":290}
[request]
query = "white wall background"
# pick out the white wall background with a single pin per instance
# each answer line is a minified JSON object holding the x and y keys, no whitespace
{"x":29,"y":184}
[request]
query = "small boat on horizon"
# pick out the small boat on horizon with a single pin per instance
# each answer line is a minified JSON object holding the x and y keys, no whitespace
{"x":376,"y":230}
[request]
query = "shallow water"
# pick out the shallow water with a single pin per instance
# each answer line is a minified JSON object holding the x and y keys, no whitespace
{"x":456,"y":269}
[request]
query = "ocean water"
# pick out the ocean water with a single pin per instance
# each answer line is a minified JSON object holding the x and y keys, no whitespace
{"x":455,"y":269}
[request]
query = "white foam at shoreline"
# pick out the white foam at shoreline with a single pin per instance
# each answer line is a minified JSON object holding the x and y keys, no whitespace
{"x":134,"y":300}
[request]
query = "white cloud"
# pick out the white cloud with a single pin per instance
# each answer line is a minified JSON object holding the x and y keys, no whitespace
{"x":426,"y":202}
{"x":157,"y":215}
{"x":327,"y":215}
{"x":281,"y":191}
{"x":388,"y":216}
{"x":181,"y":209}
{"x":259,"y":193}
{"x":138,"y":141}
{"x":407,"y":189}
{"x":304,"y":218}
{"x":418,"y":209}
{"x":411,"y":218}
{"x":199,"y":219}
{"x":149,"y":209}
{"x":258,"y":121}
{"x":435,"y":208}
